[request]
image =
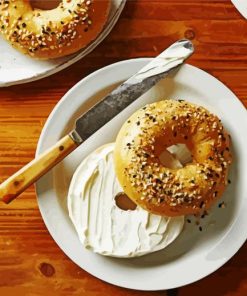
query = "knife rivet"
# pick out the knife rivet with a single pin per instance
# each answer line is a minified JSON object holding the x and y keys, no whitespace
{"x":16,"y":183}
{"x":190,"y":34}
{"x":61,"y":148}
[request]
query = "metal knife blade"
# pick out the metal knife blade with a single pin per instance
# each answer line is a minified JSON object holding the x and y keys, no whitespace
{"x":130,"y":90}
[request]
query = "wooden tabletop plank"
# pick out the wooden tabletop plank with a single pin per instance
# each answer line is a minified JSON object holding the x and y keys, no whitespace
{"x":30,"y":261}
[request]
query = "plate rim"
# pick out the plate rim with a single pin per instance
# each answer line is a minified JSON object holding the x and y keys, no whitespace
{"x":39,"y":150}
{"x":76,"y":56}
{"x":241,"y":8}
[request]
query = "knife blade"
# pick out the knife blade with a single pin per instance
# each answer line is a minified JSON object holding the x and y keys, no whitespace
{"x":97,"y":117}
{"x":130,"y":90}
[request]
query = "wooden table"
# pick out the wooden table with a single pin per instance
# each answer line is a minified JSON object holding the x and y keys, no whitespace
{"x":30,"y":261}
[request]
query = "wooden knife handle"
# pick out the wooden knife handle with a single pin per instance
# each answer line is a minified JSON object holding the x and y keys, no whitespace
{"x":30,"y":173}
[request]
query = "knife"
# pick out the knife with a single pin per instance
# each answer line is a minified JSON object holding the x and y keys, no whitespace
{"x":98,"y":116}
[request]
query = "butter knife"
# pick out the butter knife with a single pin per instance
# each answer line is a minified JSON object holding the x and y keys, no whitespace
{"x":98,"y":116}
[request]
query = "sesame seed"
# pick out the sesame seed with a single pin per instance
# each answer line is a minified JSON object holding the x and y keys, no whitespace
{"x":222,"y":205}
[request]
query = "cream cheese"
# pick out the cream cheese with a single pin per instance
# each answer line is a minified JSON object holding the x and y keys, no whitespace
{"x":101,"y":225}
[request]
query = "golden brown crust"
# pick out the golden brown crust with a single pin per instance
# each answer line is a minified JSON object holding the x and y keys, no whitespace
{"x":165,"y":191}
{"x":47,"y":34}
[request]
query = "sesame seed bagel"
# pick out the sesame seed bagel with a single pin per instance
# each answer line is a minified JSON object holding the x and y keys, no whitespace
{"x":165,"y":191}
{"x":48,"y":34}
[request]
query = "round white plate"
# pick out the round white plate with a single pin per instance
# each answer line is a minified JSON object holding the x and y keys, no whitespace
{"x":241,"y":6}
{"x":17,"y":68}
{"x":194,"y":254}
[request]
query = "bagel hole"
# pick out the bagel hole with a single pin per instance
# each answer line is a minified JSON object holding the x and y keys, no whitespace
{"x":124,"y":203}
{"x":45,"y":5}
{"x":176,"y":156}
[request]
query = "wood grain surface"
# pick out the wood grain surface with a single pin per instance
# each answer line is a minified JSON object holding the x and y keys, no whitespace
{"x":30,"y":261}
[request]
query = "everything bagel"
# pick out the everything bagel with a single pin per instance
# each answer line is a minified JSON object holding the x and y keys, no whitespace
{"x":165,"y":191}
{"x":47,"y":34}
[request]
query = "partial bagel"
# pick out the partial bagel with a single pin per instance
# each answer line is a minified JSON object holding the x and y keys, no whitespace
{"x":165,"y":191}
{"x":47,"y":34}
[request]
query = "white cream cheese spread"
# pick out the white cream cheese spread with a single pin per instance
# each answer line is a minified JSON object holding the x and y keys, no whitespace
{"x":105,"y":228}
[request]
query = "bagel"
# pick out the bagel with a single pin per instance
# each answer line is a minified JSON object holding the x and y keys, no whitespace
{"x":165,"y":191}
{"x":47,"y":34}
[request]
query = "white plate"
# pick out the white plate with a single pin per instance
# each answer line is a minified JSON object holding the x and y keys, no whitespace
{"x":17,"y":68}
{"x":241,"y":6}
{"x":194,"y":254}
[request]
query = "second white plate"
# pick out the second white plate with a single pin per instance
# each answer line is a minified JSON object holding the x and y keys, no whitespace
{"x":194,"y":254}
{"x":17,"y":68}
